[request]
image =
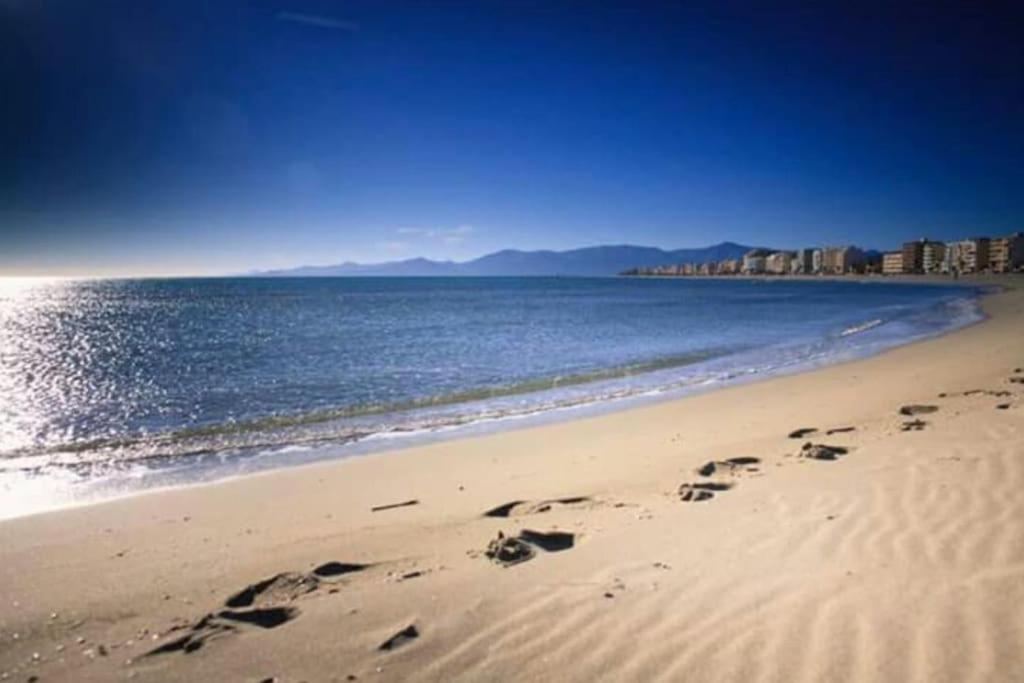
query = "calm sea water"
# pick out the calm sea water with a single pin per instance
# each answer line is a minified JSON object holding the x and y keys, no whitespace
{"x":111,"y":386}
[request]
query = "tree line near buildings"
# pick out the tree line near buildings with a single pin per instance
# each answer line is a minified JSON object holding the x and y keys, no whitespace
{"x":923,"y":256}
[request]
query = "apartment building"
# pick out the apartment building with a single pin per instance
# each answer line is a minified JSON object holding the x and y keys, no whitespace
{"x":933,"y":255}
{"x":778,"y":262}
{"x":840,"y":260}
{"x":1006,"y":254}
{"x":755,"y":261}
{"x":892,"y":263}
{"x":967,"y":256}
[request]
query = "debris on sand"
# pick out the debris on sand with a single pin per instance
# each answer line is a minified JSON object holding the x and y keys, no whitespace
{"x":509,"y":550}
{"x":392,"y":506}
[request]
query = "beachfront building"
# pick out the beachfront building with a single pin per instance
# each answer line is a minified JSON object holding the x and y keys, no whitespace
{"x":892,"y":263}
{"x":932,"y":256}
{"x":755,"y":261}
{"x":816,"y":260}
{"x":778,"y":262}
{"x":840,"y":260}
{"x":967,"y":256}
{"x":730,"y":267}
{"x":913,"y":255}
{"x":803,"y":262}
{"x":1006,"y":254}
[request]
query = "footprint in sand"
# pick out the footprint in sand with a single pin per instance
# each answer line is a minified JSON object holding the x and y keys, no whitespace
{"x":807,"y":431}
{"x":701,"y":491}
{"x":733,"y":466}
{"x":913,"y":426}
{"x":511,"y":550}
{"x":288,"y":586}
{"x":519,"y":508}
{"x":916,"y":409}
{"x":819,"y":451}
{"x":224,"y":623}
{"x":257,"y":605}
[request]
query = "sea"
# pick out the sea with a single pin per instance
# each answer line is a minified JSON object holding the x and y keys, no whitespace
{"x":115,"y":387}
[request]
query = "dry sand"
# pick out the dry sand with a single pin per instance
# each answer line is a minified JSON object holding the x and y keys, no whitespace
{"x":900,"y":559}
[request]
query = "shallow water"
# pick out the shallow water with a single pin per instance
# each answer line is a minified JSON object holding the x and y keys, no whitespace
{"x":109,"y":386}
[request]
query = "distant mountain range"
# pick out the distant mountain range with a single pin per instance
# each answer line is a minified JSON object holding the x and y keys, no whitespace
{"x":589,"y":261}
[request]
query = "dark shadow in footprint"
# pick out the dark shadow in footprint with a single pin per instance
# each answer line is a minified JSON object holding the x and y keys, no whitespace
{"x":916,"y":409}
{"x":222,"y":624}
{"x":802,"y":432}
{"x":1003,"y":406}
{"x":551,"y":541}
{"x":819,"y":451}
{"x":406,"y":635}
{"x":199,"y":634}
{"x":503,"y":510}
{"x":913,"y":426}
{"x":271,"y":617}
{"x":285,"y":586}
{"x":692,"y":493}
{"x":331,"y":569}
{"x":707,"y":469}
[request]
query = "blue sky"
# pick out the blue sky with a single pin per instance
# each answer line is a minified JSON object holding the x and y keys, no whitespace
{"x":196,"y":138}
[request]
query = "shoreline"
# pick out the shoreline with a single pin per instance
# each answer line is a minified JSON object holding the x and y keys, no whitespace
{"x":102,"y":490}
{"x":908,"y":532}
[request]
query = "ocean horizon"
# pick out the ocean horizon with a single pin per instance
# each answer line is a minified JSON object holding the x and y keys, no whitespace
{"x":119,"y":386}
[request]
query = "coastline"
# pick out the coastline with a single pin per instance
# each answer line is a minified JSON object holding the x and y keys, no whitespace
{"x":298,"y":439}
{"x":747,"y":569}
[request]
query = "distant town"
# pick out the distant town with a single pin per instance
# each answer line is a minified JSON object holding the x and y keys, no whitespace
{"x":923,"y":256}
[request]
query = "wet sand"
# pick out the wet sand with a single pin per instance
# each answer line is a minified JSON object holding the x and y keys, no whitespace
{"x":860,"y":522}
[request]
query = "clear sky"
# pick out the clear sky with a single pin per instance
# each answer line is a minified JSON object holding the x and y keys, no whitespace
{"x":211,"y":137}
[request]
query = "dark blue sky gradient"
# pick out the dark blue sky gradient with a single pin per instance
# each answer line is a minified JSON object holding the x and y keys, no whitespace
{"x":179,"y":137}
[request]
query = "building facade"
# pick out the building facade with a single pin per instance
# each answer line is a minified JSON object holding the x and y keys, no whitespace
{"x":840,"y":260}
{"x":967,"y":256}
{"x":1006,"y":254}
{"x":778,"y":262}
{"x":913,"y":256}
{"x":755,"y":261}
{"x":892,"y":263}
{"x":933,"y":254}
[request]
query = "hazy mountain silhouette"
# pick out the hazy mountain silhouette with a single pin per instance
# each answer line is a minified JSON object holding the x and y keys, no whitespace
{"x":588,"y":261}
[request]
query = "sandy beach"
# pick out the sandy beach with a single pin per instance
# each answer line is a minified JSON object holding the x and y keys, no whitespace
{"x":860,"y":522}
